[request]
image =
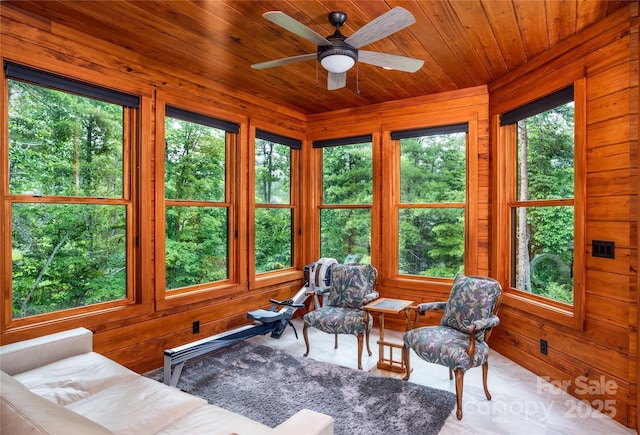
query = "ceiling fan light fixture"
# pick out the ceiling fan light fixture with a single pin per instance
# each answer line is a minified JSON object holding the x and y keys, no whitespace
{"x":339,"y":57}
{"x":337,"y":63}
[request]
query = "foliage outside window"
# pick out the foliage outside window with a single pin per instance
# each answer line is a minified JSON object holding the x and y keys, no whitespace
{"x":542,"y":209}
{"x":273,"y":206}
{"x":68,"y":201}
{"x":196,"y":207}
{"x":431,"y":213}
{"x":347,"y":194}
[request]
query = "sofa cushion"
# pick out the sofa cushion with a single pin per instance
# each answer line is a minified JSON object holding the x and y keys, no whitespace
{"x":24,"y":412}
{"x":139,"y":405}
{"x":29,"y":354}
{"x":212,"y":420}
{"x":71,"y":379}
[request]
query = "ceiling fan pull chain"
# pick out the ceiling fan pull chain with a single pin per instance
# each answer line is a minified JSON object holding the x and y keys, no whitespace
{"x":357,"y":80}
{"x":317,"y":85}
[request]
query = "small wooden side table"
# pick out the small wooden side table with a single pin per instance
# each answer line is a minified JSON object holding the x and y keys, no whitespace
{"x":392,"y":306}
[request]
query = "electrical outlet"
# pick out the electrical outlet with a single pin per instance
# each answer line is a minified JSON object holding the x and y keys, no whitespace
{"x":543,"y":346}
{"x":196,"y":326}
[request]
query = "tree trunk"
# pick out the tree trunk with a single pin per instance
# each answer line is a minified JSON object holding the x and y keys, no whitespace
{"x":76,"y":160}
{"x":524,"y":268}
{"x":269,"y":178}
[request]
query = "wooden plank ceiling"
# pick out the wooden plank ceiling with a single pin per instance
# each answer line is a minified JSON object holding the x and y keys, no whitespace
{"x":463,"y":43}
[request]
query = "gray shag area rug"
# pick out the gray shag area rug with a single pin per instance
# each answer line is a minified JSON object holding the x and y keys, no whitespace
{"x":269,"y":386}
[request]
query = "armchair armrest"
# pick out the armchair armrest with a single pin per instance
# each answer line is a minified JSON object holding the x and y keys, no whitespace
{"x":370,"y":297}
{"x":489,"y":322}
{"x":431,"y":306}
{"x":476,"y":328}
{"x":318,"y":291}
{"x":420,"y":309}
{"x":322,"y":290}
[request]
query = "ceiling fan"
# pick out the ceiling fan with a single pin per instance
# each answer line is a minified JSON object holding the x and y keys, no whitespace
{"x":338,"y":53}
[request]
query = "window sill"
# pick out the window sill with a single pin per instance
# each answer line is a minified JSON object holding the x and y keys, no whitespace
{"x":277,"y":277}
{"x":421,"y":283}
{"x":197,"y":294}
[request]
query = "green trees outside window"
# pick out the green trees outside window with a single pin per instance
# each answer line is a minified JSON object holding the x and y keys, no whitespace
{"x":274,"y":209}
{"x":68,"y":198}
{"x":431,"y":214}
{"x":345,"y":216}
{"x":543,"y":213}
{"x":196,"y":211}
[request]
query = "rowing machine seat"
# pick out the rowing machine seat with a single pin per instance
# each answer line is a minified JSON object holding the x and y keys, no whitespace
{"x":264,"y":316}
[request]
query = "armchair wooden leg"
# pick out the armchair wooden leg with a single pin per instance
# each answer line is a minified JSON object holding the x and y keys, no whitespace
{"x":407,"y":365}
{"x":360,"y":339}
{"x":368,"y":347}
{"x":459,"y":383}
{"x":485,"y":369}
{"x":336,"y":341}
{"x":306,"y":338}
{"x":450,"y":374}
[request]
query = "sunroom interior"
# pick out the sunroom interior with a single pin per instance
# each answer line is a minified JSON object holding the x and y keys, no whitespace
{"x":141,"y":243}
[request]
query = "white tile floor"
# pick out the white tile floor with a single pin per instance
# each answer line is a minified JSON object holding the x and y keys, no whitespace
{"x":522,"y":402}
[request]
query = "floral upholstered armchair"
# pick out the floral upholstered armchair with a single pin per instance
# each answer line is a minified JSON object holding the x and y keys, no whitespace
{"x":351,"y":288}
{"x":459,"y":342}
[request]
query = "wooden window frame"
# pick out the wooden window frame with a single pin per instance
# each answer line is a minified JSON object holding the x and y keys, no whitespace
{"x":505,"y":152}
{"x":131,"y":304}
{"x":234,"y":199}
{"x":275,"y":277}
{"x":399,"y":205}
{"x":391,"y":196}
{"x":319,"y":145}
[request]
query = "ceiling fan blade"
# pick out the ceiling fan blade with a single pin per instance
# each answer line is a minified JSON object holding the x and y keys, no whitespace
{"x":390,"y":22}
{"x":294,"y":26}
{"x":390,"y":61}
{"x":284,"y":61}
{"x":336,"y":80}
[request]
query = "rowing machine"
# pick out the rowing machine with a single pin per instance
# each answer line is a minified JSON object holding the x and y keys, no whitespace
{"x":265,"y":321}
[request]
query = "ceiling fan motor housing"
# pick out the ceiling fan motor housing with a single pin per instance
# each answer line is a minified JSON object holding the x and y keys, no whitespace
{"x":337,"y":47}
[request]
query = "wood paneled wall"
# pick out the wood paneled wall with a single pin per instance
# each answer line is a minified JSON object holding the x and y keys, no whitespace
{"x":605,"y":352}
{"x":608,"y":55}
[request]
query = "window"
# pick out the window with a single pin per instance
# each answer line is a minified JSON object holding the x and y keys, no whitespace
{"x":70,"y":201}
{"x":197,"y":198}
{"x":432,"y":207}
{"x":544,"y":204}
{"x":274,"y":206}
{"x":347,"y":195}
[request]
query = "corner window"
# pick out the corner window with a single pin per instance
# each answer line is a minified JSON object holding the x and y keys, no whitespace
{"x":69,"y":206}
{"x":274,"y":205}
{"x":347,"y":195}
{"x":540,"y":223}
{"x":542,"y":197}
{"x":197,"y":198}
{"x":432,"y":207}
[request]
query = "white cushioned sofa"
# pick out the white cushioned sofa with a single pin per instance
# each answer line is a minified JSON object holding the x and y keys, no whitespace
{"x":56,"y":384}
